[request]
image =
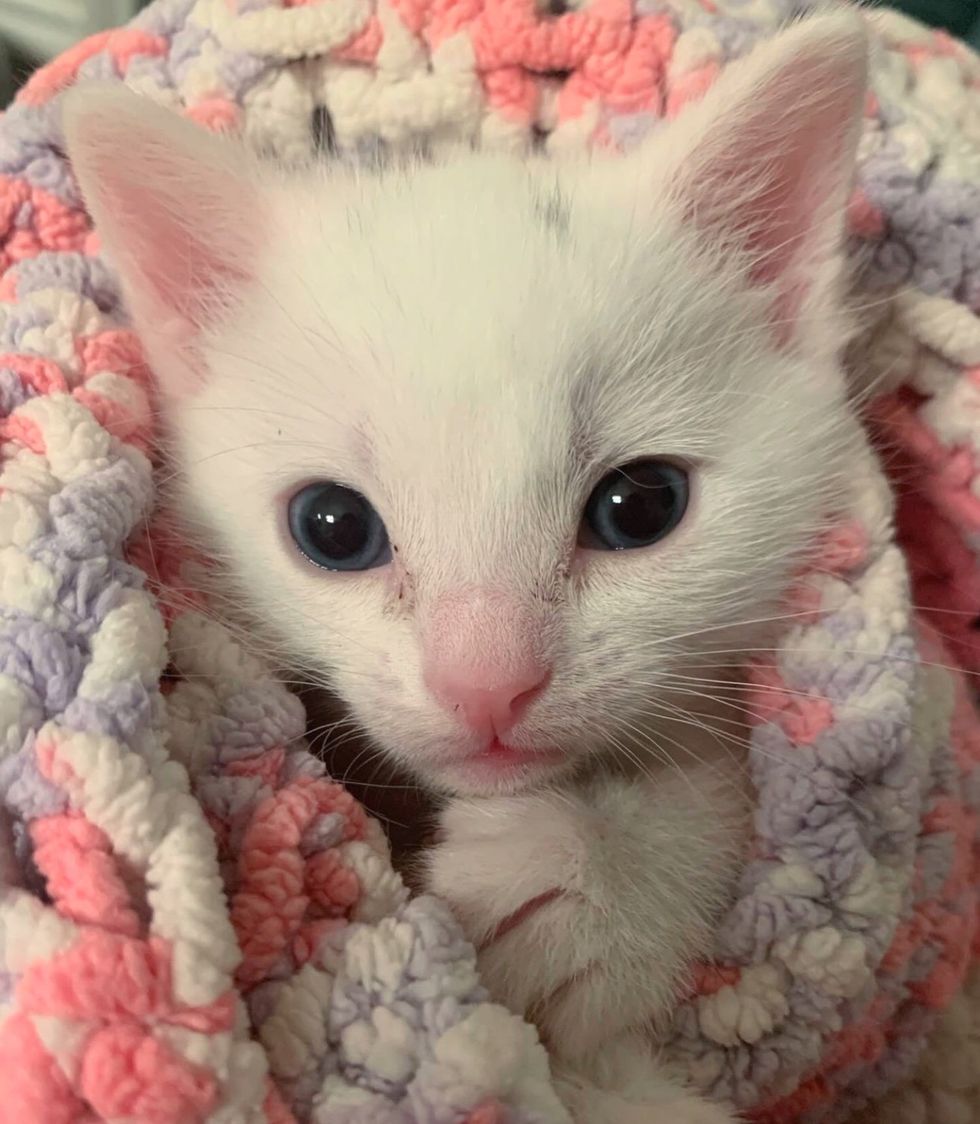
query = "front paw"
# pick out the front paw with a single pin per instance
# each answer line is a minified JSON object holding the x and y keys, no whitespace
{"x":586,"y":907}
{"x":688,"y":1110}
{"x":500,"y":859}
{"x":644,"y":1095}
{"x":529,"y":877}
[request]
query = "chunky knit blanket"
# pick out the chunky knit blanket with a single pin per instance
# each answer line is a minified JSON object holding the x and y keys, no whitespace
{"x":196,"y":924}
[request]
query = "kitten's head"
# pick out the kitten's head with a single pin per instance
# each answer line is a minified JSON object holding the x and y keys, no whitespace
{"x":514,"y":453}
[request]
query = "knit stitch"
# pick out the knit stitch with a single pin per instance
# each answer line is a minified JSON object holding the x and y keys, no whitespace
{"x":196,"y":923}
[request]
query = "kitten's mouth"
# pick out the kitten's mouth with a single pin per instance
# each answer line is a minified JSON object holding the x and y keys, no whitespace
{"x":503,"y":754}
{"x":497,"y":759}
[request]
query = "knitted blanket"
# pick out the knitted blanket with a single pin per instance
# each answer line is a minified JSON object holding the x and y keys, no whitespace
{"x":196,"y":923}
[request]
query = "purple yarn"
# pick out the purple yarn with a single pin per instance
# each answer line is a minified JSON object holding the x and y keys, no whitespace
{"x":121,"y":714}
{"x":164,"y":17}
{"x":99,"y":68}
{"x":90,"y":277}
{"x":26,"y":794}
{"x":39,"y":658}
{"x":23,"y":319}
{"x":184,"y":49}
{"x":14,"y":392}
{"x":96,"y":515}
{"x":240,"y":71}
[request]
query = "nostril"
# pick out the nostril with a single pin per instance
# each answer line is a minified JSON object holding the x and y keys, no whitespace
{"x":519,"y":703}
{"x":488,"y":710}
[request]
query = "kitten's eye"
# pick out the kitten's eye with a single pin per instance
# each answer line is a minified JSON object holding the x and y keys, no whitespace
{"x":337,"y":528}
{"x":634,"y":506}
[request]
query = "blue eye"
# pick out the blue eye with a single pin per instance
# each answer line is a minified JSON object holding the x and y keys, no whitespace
{"x":634,"y":506}
{"x":337,"y":528}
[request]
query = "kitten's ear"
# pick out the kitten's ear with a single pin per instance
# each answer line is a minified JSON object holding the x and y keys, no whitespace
{"x":764,"y":165}
{"x":177,"y":213}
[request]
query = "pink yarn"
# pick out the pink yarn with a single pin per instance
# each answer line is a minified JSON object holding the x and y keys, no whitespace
{"x":121,"y":45}
{"x":82,"y":876}
{"x":278,"y":886}
{"x":127,"y":1074}
{"x":34,"y":1087}
{"x":42,"y":375}
{"x":490,"y":1113}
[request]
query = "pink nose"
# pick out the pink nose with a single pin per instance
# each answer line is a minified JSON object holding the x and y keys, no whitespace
{"x":483,"y":657}
{"x":490,"y":710}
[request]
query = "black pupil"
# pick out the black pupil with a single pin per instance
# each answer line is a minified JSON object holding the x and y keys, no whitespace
{"x":641,"y":502}
{"x":338,"y":523}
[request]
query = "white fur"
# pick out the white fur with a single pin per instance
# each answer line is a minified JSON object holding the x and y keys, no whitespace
{"x":428,"y":338}
{"x":642,"y":869}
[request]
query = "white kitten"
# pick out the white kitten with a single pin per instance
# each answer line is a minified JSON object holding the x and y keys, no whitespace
{"x":474,"y":346}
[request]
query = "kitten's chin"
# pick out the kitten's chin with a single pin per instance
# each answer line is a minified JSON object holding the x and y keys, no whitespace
{"x":497,"y":770}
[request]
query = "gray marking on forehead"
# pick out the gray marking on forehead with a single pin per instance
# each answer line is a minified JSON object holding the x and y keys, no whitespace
{"x":551,"y":208}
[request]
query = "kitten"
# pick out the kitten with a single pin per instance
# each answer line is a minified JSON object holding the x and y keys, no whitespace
{"x":521,"y":456}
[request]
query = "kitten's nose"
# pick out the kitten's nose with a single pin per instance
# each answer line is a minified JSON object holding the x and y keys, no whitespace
{"x":488,"y":710}
{"x":483,"y":657}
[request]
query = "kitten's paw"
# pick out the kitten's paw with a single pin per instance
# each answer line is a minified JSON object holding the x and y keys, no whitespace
{"x":586,"y":906}
{"x":696,"y":1111}
{"x":688,"y":1111}
{"x":545,"y":886}
{"x":498,"y":860}
{"x":665,"y":1103}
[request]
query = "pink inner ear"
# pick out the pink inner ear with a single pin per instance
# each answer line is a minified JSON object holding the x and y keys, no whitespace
{"x":178,"y":268}
{"x":798,"y":170}
{"x":176,"y":209}
{"x":772,"y":173}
